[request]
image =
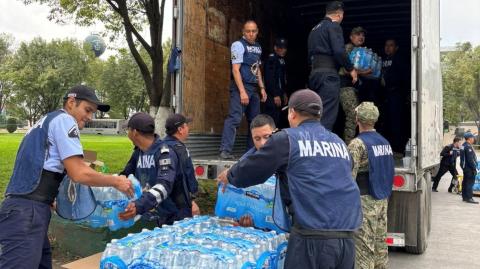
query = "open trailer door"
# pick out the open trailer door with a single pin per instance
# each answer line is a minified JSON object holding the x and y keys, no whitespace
{"x":429,"y":85}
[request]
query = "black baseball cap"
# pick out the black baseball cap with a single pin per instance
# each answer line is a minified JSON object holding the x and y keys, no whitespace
{"x":86,"y":93}
{"x":306,"y":100}
{"x":334,"y":6}
{"x":142,"y":122}
{"x":281,"y":43}
{"x":174,"y":121}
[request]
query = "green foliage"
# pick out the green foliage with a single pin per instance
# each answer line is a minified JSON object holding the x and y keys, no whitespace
{"x":41,"y":72}
{"x":6,"y":42}
{"x":123,"y":85}
{"x":11,"y":125}
{"x":122,"y":18}
{"x":114,"y":151}
{"x":461,"y":87}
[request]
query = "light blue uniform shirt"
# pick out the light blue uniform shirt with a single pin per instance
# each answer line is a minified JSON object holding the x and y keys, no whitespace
{"x":63,"y":142}
{"x":237,"y":50}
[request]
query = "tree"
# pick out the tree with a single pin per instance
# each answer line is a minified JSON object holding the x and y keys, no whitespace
{"x":461,"y":84}
{"x":11,"y":125}
{"x":42,"y":72}
{"x":123,"y":85}
{"x":6,"y":42}
{"x":127,"y":17}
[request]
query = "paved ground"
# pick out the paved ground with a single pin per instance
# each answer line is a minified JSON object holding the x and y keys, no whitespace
{"x":454,"y":240}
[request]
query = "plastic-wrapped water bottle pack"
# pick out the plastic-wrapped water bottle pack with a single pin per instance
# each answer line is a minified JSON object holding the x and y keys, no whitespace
{"x":111,"y":202}
{"x":199,"y":242}
{"x":364,"y":58}
{"x":255,"y":201}
{"x":476,"y":185}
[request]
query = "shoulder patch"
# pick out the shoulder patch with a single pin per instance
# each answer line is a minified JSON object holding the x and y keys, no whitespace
{"x":73,"y":132}
{"x":164,"y":149}
{"x":165,"y":162}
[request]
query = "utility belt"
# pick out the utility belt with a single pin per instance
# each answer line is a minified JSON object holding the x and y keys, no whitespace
{"x":46,"y":190}
{"x":323,"y":63}
{"x":363,"y":183}
{"x":321,"y":234}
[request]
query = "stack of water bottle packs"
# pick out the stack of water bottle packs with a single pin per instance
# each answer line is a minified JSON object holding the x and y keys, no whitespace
{"x":255,"y":201}
{"x":199,"y":242}
{"x":476,"y":185}
{"x":364,"y":58}
{"x":111,"y":202}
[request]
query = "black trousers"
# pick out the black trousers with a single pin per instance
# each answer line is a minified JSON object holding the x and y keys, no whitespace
{"x":327,"y":85}
{"x":314,"y":253}
{"x":442,"y":171}
{"x":467,"y":184}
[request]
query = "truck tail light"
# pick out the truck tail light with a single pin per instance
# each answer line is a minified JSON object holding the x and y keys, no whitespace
{"x":199,"y":171}
{"x":398,"y":181}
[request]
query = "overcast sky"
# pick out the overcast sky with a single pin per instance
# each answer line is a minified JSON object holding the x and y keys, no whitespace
{"x":459,"y":22}
{"x":24,"y":22}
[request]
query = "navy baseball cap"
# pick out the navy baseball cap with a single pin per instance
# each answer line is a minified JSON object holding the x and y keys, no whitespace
{"x":306,"y":100}
{"x":334,"y":6}
{"x":468,"y":135}
{"x":281,"y":43}
{"x":174,"y":121}
{"x":142,"y":122}
{"x":86,"y":93}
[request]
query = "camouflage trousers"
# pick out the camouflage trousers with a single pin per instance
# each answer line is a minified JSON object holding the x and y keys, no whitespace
{"x":371,"y":250}
{"x":349,"y":101}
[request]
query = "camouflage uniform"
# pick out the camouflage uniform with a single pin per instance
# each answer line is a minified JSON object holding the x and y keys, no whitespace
{"x":348,"y":101}
{"x":370,"y":246}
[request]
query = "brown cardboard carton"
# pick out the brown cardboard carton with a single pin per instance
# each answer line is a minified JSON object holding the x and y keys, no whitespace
{"x":90,"y":262}
{"x":90,"y":158}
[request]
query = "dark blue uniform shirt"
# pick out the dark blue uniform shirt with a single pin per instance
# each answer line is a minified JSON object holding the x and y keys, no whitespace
{"x":326,"y":38}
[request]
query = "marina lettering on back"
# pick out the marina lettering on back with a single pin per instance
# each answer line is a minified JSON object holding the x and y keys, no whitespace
{"x":313,"y":148}
{"x":382,"y":150}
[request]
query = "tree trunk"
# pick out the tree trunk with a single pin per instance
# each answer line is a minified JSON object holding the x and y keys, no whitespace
{"x":160,"y":115}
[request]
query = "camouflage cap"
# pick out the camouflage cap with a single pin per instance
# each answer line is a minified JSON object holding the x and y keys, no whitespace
{"x":357,"y":30}
{"x":367,"y":112}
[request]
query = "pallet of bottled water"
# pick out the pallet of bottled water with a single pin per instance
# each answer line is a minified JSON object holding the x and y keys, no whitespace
{"x":110,"y":203}
{"x":199,"y":242}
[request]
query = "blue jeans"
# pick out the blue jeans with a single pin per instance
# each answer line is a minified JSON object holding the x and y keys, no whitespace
{"x":23,"y":238}
{"x":327,"y":85}
{"x":235,"y":114}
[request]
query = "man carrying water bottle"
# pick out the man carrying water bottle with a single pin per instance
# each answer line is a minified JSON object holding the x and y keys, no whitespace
{"x":313,"y":166}
{"x":48,"y":150}
{"x":160,"y":171}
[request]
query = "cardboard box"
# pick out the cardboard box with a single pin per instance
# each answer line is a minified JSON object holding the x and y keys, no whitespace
{"x":90,"y":158}
{"x":90,"y":262}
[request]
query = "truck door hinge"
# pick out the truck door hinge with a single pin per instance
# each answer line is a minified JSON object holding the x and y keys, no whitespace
{"x":175,"y":12}
{"x":414,"y":96}
{"x":174,"y":101}
{"x":415,"y":42}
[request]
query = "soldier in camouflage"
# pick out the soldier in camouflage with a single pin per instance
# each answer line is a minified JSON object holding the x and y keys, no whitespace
{"x":348,"y":93}
{"x":373,"y":170}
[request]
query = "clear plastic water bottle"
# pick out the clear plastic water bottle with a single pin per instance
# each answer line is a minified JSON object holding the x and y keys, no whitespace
{"x":408,"y":148}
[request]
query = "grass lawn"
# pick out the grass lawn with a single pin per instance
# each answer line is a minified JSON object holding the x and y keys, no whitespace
{"x":114,"y":151}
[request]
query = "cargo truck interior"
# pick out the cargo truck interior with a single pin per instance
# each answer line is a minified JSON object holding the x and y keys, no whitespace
{"x":210,"y":26}
{"x":382,"y":19}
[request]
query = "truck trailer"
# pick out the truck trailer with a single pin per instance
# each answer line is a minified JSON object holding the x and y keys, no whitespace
{"x":204,"y":30}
